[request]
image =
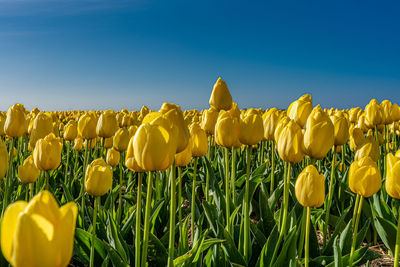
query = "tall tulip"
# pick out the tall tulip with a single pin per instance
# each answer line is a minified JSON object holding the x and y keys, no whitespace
{"x":221,"y":97}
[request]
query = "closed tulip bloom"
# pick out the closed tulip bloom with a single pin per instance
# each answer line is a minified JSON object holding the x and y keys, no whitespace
{"x":175,"y":115}
{"x":38,"y":233}
{"x":113,"y":157}
{"x":2,"y":122}
{"x":107,"y":124}
{"x":209,"y":119}
{"x":235,"y":111}
{"x":319,"y":135}
{"x":251,"y":130}
{"x":108,"y":142}
{"x":144,"y":111}
{"x":15,"y":124}
{"x":227,"y":129}
{"x":270,"y":123}
{"x":87,"y":125}
{"x":387,"y":112}
{"x":341,"y":128}
{"x":132,"y":130}
{"x":70,"y":131}
{"x":78,"y":143}
{"x":221,"y":97}
{"x":356,"y":138}
{"x":364,"y":177}
{"x":121,"y":139}
{"x":373,"y":114}
{"x":42,"y":126}
{"x":3,"y":159}
{"x":98,"y":178}
{"x":395,"y":112}
{"x":199,"y":140}
{"x":28,"y":172}
{"x":300,"y":109}
{"x":310,"y":187}
{"x":354,"y":114}
{"x":368,"y":148}
{"x":362,"y":123}
{"x":47,"y":153}
{"x":281,"y":124}
{"x":130,"y":161}
{"x":392,"y":182}
{"x":183,"y":158}
{"x":154,"y":147}
{"x":290,"y":143}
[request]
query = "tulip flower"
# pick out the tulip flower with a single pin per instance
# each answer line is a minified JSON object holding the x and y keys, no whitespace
{"x":15,"y":124}
{"x":38,"y":233}
{"x":373,"y":114}
{"x":107,"y":124}
{"x":368,"y":148}
{"x":251,"y":130}
{"x":310,"y":192}
{"x":300,"y":109}
{"x":28,"y":172}
{"x":227,"y":129}
{"x":98,"y":178}
{"x":87,"y":125}
{"x":341,"y":128}
{"x":3,"y":159}
{"x":113,"y":157}
{"x":42,"y":126}
{"x":121,"y":139}
{"x":70,"y":131}
{"x":209,"y":119}
{"x":221,"y":97}
{"x":47,"y":153}
{"x":199,"y":141}
{"x":290,"y":143}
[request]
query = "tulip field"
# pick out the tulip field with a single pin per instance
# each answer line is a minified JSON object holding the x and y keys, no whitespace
{"x":302,"y":186}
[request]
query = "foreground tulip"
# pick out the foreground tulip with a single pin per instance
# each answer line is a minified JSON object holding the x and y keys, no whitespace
{"x":319,"y":135}
{"x":341,"y":128}
{"x":3,"y":159}
{"x":227,"y":129}
{"x":113,"y":157}
{"x":15,"y":124}
{"x":300,"y":109}
{"x":28,"y":172}
{"x":183,"y":158}
{"x":121,"y":139}
{"x":70,"y":131}
{"x":221,"y":97}
{"x":209,"y":119}
{"x":310,"y":192}
{"x":368,"y":148}
{"x":38,"y":233}
{"x":199,"y":141}
{"x":98,"y":178}
{"x":107,"y":124}
{"x":270,"y":123}
{"x":290,"y":143}
{"x":42,"y":126}
{"x":87,"y":125}
{"x":47,"y":153}
{"x":251,"y":130}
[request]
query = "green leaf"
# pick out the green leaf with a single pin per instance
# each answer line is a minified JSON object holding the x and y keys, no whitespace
{"x":387,"y":232}
{"x":84,"y":238}
{"x":116,"y":241}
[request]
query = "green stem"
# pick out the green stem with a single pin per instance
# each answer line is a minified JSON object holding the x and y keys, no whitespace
{"x":330,"y":196}
{"x":233,"y":176}
{"x":307,"y":242}
{"x":138,"y":217}
{"x":7,"y":182}
{"x":46,"y":174}
{"x":353,"y":220}
{"x":397,"y":248}
{"x":85,"y":162}
{"x":208,"y":172}
{"x":66,"y":164}
{"x":193,"y":203}
{"x":227,"y":191}
{"x":272,"y":167}
{"x":171,"y":248}
{"x":246,"y":204}
{"x":91,"y":263}
{"x":180,"y":207}
{"x":147,"y":218}
{"x":353,"y":244}
{"x":119,"y":211}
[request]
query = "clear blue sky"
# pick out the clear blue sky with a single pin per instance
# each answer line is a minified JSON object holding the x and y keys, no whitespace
{"x":67,"y":54}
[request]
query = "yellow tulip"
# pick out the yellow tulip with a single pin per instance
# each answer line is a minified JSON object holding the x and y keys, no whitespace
{"x":270,"y":122}
{"x":38,"y":233}
{"x":395,"y":112}
{"x":209,"y":119}
{"x":78,"y":143}
{"x":98,"y":178}
{"x":3,"y":159}
{"x":71,"y":131}
{"x":221,"y":97}
{"x":2,"y":122}
{"x":364,"y":177}
{"x":42,"y":126}
{"x":373,"y":114}
{"x":15,"y":124}
{"x":290,"y":143}
{"x":47,"y":153}
{"x":392,"y":182}
{"x":130,"y":161}
{"x":121,"y":139}
{"x":387,"y":112}
{"x":183,"y":158}
{"x":108,"y":142}
{"x":251,"y":129}
{"x":199,"y":140}
{"x":319,"y":135}
{"x":310,"y":187}
{"x":113,"y":157}
{"x":341,"y":128}
{"x":281,"y":124}
{"x":368,"y":148}
{"x":227,"y":129}
{"x":300,"y":109}
{"x":356,"y":138}
{"x":235,"y":111}
{"x":28,"y":172}
{"x":107,"y":124}
{"x":87,"y":125}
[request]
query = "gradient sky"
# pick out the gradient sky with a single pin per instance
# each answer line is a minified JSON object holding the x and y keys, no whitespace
{"x":95,"y":54}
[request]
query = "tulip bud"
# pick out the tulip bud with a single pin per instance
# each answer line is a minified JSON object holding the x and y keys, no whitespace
{"x":290,"y":143}
{"x":183,"y":158}
{"x":108,"y":142}
{"x":78,"y":143}
{"x":395,"y":112}
{"x":373,"y":114}
{"x":300,"y":109}
{"x":221,"y":97}
{"x":3,"y":159}
{"x":281,"y":124}
{"x":199,"y":141}
{"x":251,"y":130}
{"x":270,"y":122}
{"x":319,"y":135}
{"x":39,"y":233}
{"x":209,"y":119}
{"x":71,"y":131}
{"x":121,"y":139}
{"x":98,"y":178}
{"x":130,"y":161}
{"x":386,"y":112}
{"x":47,"y":153}
{"x":15,"y":124}
{"x":235,"y":111}
{"x":341,"y":128}
{"x":28,"y":172}
{"x":368,"y":148}
{"x":2,"y":122}
{"x":107,"y":124}
{"x":42,"y":126}
{"x":392,"y":182}
{"x":310,"y":187}
{"x":113,"y":157}
{"x":364,"y":177}
{"x":87,"y":125}
{"x":227,"y":129}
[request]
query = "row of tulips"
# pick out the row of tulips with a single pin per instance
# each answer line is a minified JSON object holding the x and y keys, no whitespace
{"x":221,"y":186}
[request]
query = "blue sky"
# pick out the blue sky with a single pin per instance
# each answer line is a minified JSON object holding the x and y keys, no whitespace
{"x":95,"y":54}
